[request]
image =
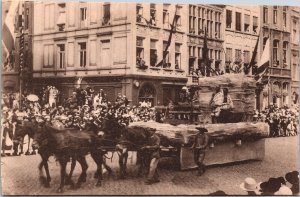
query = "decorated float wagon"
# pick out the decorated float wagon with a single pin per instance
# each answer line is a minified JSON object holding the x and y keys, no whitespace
{"x":224,"y":105}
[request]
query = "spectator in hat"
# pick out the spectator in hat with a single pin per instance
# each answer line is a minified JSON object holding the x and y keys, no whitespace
{"x":250,"y":186}
{"x":293,"y":179}
{"x":200,"y":143}
{"x":270,"y":187}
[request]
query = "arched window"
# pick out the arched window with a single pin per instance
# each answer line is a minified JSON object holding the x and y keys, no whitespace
{"x":147,"y":94}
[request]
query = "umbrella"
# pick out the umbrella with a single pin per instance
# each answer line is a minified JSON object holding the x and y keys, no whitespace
{"x":32,"y":97}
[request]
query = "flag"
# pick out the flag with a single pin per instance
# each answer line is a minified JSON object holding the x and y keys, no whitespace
{"x":205,"y":52}
{"x":264,"y":62}
{"x":8,"y":37}
{"x":251,"y":64}
{"x":173,"y":30}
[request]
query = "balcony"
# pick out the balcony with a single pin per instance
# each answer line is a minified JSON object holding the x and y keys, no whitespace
{"x":280,"y":72}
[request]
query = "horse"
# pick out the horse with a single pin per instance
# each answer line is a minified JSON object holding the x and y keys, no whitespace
{"x":75,"y":143}
{"x":27,"y":128}
{"x":132,"y":139}
{"x":31,"y":130}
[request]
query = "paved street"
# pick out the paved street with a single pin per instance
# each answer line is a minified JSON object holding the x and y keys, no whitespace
{"x":20,"y":175}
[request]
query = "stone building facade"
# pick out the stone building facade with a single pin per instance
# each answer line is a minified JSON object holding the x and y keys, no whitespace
{"x":120,"y":47}
{"x":277,"y":25}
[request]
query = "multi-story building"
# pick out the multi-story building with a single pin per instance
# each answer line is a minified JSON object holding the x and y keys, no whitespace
{"x":203,"y":18}
{"x":112,"y":48}
{"x":276,"y":25}
{"x":295,"y":54}
{"x":241,"y":35}
{"x":11,"y":64}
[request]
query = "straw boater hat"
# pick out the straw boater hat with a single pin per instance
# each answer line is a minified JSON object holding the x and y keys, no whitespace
{"x":249,"y":184}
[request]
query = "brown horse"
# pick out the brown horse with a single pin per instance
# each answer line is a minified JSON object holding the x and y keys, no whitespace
{"x":33,"y":130}
{"x":72,"y":143}
{"x":132,"y":139}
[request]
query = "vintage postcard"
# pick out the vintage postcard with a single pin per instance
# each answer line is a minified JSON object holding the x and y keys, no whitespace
{"x":141,"y":98}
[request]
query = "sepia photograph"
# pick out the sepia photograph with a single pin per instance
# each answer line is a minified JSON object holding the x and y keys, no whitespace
{"x":149,"y":98}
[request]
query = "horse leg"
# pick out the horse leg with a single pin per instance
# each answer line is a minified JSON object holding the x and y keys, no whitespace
{"x":21,"y":146}
{"x":28,"y":146}
{"x":98,"y":158}
{"x":42,"y":178}
{"x":84,"y":167}
{"x":122,"y":164}
{"x":109,"y":170}
{"x":63,"y":163}
{"x":69,"y":177}
{"x":125,"y":163}
{"x":15,"y":147}
{"x":45,"y":161}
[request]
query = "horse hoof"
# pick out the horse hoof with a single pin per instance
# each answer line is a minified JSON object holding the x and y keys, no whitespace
{"x":96,"y":175}
{"x":121,"y":177}
{"x":60,"y":190}
{"x":47,"y":185}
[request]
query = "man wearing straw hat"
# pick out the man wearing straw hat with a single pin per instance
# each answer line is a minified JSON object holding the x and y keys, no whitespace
{"x":200,"y":143}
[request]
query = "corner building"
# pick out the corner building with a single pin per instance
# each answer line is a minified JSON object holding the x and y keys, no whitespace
{"x":117,"y":47}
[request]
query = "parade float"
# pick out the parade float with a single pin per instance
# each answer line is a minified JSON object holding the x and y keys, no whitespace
{"x":234,"y":136}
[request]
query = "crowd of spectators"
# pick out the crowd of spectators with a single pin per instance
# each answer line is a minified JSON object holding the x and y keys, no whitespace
{"x":283,"y":121}
{"x":83,"y":108}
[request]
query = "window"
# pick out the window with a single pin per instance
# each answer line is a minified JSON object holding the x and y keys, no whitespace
{"x":238,"y":55}
{"x":275,"y":53}
{"x":246,"y":57}
{"x":165,"y":16}
{"x":60,"y":56}
{"x":166,"y":61}
{"x":49,"y":16}
{"x":139,"y":47}
{"x":61,"y":21}
{"x":228,"y":55}
{"x":275,"y":14}
{"x":217,"y":25}
{"x":153,"y":52}
{"x":139,"y":13}
{"x":106,"y":14}
{"x":82,"y":14}
{"x":167,"y":96}
{"x":82,"y":54}
{"x":295,"y":34}
{"x":228,"y":18}
{"x":255,"y":24}
{"x":247,"y":23}
{"x":48,"y":55}
{"x":147,"y":94}
{"x":177,"y":56}
{"x":105,"y":53}
{"x":140,"y":62}
{"x":238,"y":21}
{"x":26,"y":18}
{"x":192,"y":19}
{"x":284,"y":15}
{"x":152,"y":14}
{"x":265,"y":15}
{"x":192,"y":58}
{"x":285,"y":49}
{"x":83,"y":21}
{"x":177,"y":20}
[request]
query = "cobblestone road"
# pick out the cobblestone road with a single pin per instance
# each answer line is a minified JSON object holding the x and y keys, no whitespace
{"x":20,"y":175}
